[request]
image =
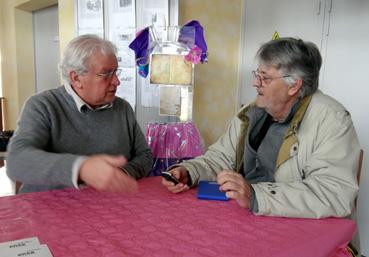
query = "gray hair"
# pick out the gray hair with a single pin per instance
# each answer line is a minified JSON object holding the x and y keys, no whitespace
{"x":295,"y":57}
{"x":78,"y":52}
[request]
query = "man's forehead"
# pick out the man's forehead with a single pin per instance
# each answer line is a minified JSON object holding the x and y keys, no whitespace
{"x":102,"y":61}
{"x":267,"y":69}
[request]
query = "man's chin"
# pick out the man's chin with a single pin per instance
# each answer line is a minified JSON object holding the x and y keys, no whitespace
{"x":259,"y":103}
{"x":110,"y":98}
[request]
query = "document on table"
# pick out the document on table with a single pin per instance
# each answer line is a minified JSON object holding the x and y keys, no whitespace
{"x":29,"y":247}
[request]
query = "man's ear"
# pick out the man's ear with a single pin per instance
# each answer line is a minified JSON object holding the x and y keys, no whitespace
{"x":295,"y":88}
{"x":75,"y":79}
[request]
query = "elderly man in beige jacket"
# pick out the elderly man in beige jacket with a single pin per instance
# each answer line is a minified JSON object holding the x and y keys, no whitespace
{"x":293,"y":152}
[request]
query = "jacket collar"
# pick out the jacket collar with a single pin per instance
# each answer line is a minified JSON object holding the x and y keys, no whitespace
{"x":290,"y":137}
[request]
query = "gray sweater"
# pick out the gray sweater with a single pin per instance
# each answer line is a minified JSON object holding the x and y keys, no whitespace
{"x":52,"y":133}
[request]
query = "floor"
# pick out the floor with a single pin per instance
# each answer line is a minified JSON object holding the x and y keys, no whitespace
{"x":6,"y":185}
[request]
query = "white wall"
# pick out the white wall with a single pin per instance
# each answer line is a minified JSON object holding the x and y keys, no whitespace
{"x":341,"y":32}
{"x":346,"y":77}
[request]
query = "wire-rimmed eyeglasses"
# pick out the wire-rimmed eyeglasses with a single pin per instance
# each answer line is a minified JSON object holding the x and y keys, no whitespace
{"x":110,"y":74}
{"x":266,"y":80}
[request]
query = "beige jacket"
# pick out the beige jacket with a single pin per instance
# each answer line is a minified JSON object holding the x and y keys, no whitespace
{"x":316,"y":167}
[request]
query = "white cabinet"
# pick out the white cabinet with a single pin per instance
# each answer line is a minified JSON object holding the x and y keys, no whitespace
{"x":340,"y":28}
{"x":299,"y":18}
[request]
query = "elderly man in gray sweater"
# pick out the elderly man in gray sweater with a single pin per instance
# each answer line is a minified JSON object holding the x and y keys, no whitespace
{"x":80,"y":132}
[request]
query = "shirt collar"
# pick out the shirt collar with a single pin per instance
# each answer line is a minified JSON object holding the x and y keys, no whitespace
{"x":79,"y":102}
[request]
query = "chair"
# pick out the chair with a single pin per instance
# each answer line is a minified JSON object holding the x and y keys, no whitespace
{"x":355,"y":242}
{"x":17,"y":186}
{"x":361,"y":156}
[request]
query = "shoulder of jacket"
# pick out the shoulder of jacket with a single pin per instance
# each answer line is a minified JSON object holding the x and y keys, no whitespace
{"x":325,"y":107}
{"x":321,"y":101}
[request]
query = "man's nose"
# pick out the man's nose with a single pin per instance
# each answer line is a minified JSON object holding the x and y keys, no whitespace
{"x":115,"y":80}
{"x":256,"y":84}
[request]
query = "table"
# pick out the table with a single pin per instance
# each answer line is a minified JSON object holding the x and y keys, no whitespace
{"x":155,"y":222}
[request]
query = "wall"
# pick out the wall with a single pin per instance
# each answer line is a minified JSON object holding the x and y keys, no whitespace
{"x":216,"y":81}
{"x":67,"y":27}
{"x":1,"y":48}
{"x":17,"y":67}
{"x":8,"y":65}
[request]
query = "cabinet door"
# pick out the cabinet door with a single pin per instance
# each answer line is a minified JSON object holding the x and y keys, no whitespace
{"x":299,"y":18}
{"x":345,"y":72}
{"x":346,"y":56}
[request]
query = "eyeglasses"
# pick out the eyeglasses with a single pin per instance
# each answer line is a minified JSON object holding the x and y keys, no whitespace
{"x":109,"y":74}
{"x":260,"y":79}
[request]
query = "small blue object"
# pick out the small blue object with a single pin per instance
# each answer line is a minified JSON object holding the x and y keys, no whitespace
{"x":209,"y":190}
{"x":143,"y":70}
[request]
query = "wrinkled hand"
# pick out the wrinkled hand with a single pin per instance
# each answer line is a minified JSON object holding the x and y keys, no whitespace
{"x":102,"y":173}
{"x":182,"y":175}
{"x":236,"y":187}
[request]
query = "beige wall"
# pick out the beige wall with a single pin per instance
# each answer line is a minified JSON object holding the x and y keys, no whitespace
{"x":67,"y":27}
{"x":17,"y":50}
{"x":216,"y":82}
{"x":1,"y":48}
{"x":8,"y":64}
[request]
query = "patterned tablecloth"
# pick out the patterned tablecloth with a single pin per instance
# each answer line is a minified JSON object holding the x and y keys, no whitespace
{"x":155,"y":222}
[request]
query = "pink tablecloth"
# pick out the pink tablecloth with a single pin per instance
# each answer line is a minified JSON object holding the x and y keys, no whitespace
{"x":155,"y":222}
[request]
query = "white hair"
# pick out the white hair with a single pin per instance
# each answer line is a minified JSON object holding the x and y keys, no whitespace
{"x":78,"y":52}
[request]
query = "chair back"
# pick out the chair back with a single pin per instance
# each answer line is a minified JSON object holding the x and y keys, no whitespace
{"x":361,"y":156}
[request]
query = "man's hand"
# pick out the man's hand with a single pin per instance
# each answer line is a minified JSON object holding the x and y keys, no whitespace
{"x":102,"y":173}
{"x":181,"y":174}
{"x":235,"y":187}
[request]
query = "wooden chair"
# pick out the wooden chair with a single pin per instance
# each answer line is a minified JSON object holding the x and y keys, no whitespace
{"x":17,"y":186}
{"x":361,"y":156}
{"x":355,"y":242}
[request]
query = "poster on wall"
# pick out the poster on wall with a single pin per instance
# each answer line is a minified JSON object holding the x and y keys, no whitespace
{"x":121,"y":13}
{"x":127,"y":87}
{"x":122,"y":38}
{"x":149,"y":93}
{"x":154,"y":13}
{"x":170,"y":101}
{"x":122,"y":29}
{"x":90,"y":17}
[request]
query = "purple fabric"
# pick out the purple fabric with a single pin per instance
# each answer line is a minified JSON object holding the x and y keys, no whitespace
{"x":172,"y":143}
{"x":174,"y":140}
{"x":199,"y":38}
{"x":140,"y":46}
